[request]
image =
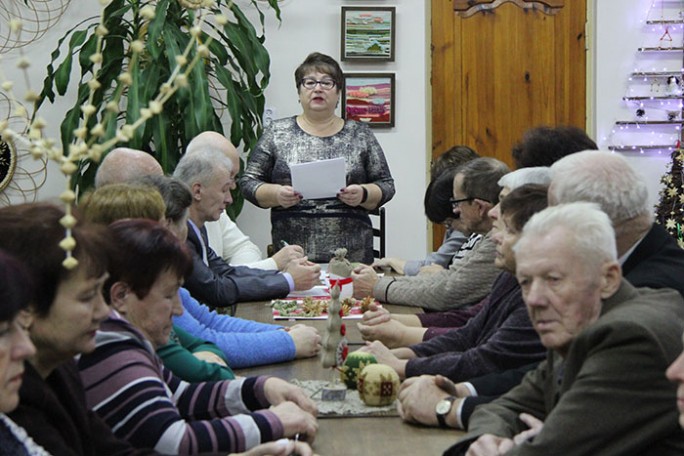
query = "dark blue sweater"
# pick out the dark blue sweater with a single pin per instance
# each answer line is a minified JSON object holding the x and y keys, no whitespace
{"x":498,"y":338}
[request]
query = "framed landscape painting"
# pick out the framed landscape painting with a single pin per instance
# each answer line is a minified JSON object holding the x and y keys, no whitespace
{"x":369,"y":98}
{"x":368,"y":33}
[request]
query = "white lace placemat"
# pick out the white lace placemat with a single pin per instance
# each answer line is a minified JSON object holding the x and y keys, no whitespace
{"x":352,"y":406}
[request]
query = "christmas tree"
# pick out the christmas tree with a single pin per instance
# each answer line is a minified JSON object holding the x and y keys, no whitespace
{"x":670,"y":209}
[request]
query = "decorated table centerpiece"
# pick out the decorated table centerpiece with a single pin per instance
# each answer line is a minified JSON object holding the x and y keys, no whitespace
{"x":335,"y":348}
{"x":340,"y":270}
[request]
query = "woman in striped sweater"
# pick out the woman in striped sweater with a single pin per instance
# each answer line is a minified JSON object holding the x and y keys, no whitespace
{"x":127,"y":385}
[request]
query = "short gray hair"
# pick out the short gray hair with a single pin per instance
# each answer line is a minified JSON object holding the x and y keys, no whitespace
{"x":200,"y":166}
{"x":601,"y":177}
{"x":540,"y":175}
{"x":587,"y":228}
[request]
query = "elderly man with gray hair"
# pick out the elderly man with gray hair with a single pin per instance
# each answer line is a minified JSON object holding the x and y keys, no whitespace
{"x":601,"y":389}
{"x":649,"y":256}
{"x":225,"y":238}
{"x":209,"y":174}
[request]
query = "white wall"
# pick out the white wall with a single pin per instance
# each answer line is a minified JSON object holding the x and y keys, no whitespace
{"x":621,"y":29}
{"x":314,"y":25}
{"x":38,"y":54}
{"x":310,"y":25}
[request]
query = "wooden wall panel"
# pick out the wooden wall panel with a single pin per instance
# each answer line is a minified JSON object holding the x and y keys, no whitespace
{"x":497,"y":73}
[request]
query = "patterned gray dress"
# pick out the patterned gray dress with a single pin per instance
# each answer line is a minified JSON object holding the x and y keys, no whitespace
{"x":320,"y":226}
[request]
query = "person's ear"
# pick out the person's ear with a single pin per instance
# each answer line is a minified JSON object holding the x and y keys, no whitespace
{"x":118,"y":295}
{"x":29,"y":316}
{"x":196,"y":191}
{"x":611,"y":277}
{"x":483,"y":207}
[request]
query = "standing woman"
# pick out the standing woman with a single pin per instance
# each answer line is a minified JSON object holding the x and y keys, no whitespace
{"x":320,"y":226}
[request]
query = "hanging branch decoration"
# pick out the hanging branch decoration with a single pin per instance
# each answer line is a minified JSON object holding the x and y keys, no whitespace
{"x":225,"y":89}
{"x":88,"y":140}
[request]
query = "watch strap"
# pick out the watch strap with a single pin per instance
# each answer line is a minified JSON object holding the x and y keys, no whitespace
{"x":441,"y":417}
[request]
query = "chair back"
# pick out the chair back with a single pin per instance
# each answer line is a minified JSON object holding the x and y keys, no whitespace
{"x":378,"y":220}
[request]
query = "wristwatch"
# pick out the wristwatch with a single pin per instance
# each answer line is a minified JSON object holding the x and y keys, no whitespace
{"x":443,"y":408}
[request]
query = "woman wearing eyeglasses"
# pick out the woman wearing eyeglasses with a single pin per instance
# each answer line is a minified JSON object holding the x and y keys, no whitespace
{"x":320,"y":226}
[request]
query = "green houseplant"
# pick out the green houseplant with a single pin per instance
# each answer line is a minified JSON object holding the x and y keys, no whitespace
{"x":189,"y":63}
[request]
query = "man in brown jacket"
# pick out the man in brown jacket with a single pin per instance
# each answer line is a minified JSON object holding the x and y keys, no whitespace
{"x":601,"y":389}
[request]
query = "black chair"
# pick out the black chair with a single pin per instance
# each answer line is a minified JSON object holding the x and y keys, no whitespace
{"x":378,"y":220}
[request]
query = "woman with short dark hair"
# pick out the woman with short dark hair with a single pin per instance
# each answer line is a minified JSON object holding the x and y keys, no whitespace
{"x":320,"y":226}
{"x":143,"y":402}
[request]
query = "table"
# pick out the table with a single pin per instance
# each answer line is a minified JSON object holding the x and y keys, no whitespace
{"x":351,"y":436}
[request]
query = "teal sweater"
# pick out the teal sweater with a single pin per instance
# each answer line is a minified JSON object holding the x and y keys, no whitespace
{"x":178,"y":357}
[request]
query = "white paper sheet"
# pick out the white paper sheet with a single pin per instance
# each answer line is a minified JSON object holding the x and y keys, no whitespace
{"x":315,"y":292}
{"x":319,"y":179}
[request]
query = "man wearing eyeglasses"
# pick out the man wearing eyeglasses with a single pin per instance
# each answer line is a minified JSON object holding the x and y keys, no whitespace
{"x":471,"y":274}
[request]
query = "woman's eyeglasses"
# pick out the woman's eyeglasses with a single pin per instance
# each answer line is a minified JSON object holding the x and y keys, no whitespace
{"x":310,"y":83}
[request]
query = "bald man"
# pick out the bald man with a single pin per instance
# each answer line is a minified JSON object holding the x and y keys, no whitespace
{"x":124,"y":165}
{"x":225,"y":238}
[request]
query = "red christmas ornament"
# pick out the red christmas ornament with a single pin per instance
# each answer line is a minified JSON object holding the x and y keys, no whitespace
{"x":343,"y":330}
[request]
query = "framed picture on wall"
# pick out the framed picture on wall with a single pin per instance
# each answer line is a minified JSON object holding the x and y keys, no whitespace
{"x":369,"y":97}
{"x":368,"y":33}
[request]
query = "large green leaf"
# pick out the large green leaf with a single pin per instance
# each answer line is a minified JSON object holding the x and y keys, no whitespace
{"x":63,"y":72}
{"x":49,"y":80}
{"x":154,"y":43}
{"x":163,"y":140}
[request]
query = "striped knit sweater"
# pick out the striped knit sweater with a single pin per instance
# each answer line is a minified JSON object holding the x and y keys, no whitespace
{"x":144,"y":403}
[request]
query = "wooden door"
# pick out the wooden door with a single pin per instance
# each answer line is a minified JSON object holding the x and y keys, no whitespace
{"x":500,"y":67}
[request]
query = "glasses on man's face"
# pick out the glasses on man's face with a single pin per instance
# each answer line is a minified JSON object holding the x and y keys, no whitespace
{"x":310,"y":83}
{"x":457,"y":202}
